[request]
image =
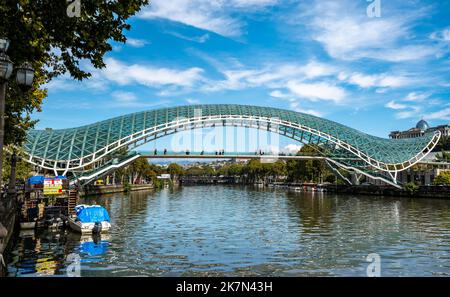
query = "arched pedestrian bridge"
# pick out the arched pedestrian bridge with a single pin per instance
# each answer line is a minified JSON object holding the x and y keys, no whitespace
{"x":80,"y":149}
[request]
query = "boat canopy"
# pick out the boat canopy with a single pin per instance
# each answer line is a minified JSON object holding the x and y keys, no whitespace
{"x":36,"y":180}
{"x":91,"y":213}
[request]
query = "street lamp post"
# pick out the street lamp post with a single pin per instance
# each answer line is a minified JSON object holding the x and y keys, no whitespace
{"x":12,"y":177}
{"x":25,"y":75}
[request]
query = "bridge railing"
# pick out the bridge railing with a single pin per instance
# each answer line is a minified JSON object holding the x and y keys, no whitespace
{"x":107,"y":164}
{"x":222,"y":153}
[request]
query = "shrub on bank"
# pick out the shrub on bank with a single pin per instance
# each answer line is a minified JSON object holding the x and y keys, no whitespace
{"x":411,"y":188}
{"x":442,"y":179}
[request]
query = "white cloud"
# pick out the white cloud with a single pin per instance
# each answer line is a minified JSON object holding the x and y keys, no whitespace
{"x":443,"y":35}
{"x":317,"y":91}
{"x":416,"y":97}
{"x":214,"y":15}
{"x":311,"y":112}
{"x":311,"y":81}
{"x":271,"y":76}
{"x":279,"y":72}
{"x":403,"y":53}
{"x":294,"y":104}
{"x":446,"y":34}
{"x":291,"y":148}
{"x":376,"y":80}
{"x":233,"y":80}
{"x":130,"y":100}
{"x":407,"y":111}
{"x":413,"y":113}
{"x":278,"y":94}
{"x":200,"y":14}
{"x":346,"y":33}
{"x":122,"y":96}
{"x":67,"y":83}
{"x":136,"y":42}
{"x":117,"y":72}
{"x":439,"y":115}
{"x":199,"y":39}
{"x":61,"y":83}
{"x":394,"y":105}
{"x":381,"y":90}
{"x":314,"y":69}
{"x":252,"y":3}
{"x":192,"y":101}
{"x":123,"y":74}
{"x":349,"y":37}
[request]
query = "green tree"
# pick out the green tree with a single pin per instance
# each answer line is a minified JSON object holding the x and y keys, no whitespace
{"x":222,"y":170}
{"x":411,"y":188}
{"x":443,"y":156}
{"x":442,"y":179}
{"x":194,"y":171}
{"x":209,"y":171}
{"x":279,"y":169}
{"x":141,"y":169}
{"x":174,"y":170}
{"x":235,"y":169}
{"x":23,"y":168}
{"x":307,"y":170}
{"x":20,"y":103}
{"x":300,"y":170}
{"x":43,"y":34}
{"x":205,"y":170}
{"x":254,"y":170}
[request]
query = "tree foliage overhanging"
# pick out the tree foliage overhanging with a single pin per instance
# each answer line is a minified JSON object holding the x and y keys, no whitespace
{"x":23,"y":169}
{"x":42,"y":33}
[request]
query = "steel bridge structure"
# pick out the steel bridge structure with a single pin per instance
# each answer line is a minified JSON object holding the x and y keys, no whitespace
{"x":83,"y":149}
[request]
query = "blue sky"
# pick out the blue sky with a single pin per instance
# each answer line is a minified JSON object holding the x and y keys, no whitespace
{"x":327,"y":58}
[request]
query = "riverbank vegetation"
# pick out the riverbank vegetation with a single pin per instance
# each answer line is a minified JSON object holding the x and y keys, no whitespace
{"x":252,"y":171}
{"x":34,"y":29}
{"x":23,"y":169}
{"x":442,"y":179}
{"x":443,"y":156}
{"x":140,"y":171}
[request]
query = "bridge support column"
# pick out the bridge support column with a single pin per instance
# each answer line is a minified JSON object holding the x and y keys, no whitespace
{"x":354,"y":178}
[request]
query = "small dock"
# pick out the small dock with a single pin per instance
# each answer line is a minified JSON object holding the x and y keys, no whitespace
{"x":47,"y":203}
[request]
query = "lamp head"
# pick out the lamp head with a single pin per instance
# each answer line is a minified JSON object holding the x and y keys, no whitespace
{"x":25,"y":74}
{"x":6,"y":67}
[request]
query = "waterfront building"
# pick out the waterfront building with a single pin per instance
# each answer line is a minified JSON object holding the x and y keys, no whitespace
{"x":423,"y":175}
{"x":425,"y":172}
{"x":420,"y":129}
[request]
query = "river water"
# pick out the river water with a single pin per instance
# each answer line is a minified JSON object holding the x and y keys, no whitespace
{"x":242,"y":231}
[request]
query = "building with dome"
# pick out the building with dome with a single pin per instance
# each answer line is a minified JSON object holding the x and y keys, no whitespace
{"x":430,"y":167}
{"x":422,"y":125}
{"x":420,"y":129}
